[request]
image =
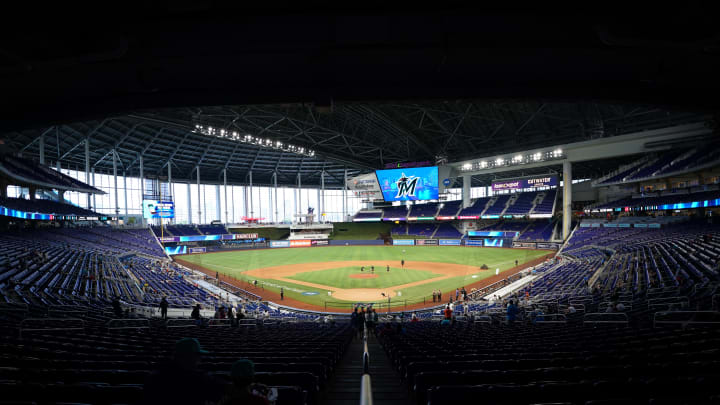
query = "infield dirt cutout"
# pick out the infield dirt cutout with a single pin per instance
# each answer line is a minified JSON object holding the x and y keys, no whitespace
{"x":446,"y":270}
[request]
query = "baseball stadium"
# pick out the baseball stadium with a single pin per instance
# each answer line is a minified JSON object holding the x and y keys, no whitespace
{"x":210,"y":203}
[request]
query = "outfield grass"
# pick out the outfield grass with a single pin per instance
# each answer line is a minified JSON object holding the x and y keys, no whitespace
{"x":340,"y":277}
{"x":234,"y":263}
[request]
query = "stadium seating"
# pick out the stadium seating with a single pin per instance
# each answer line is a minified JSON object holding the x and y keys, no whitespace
{"x":44,"y":207}
{"x":450,"y":208}
{"x":368,"y":215}
{"x":26,"y":171}
{"x":476,"y":209}
{"x":499,"y":205}
{"x":421,"y":229}
{"x":447,"y":231}
{"x":523,"y":204}
{"x":547,"y":204}
{"x":398,"y":211}
{"x":424,"y":210}
{"x":212,"y":229}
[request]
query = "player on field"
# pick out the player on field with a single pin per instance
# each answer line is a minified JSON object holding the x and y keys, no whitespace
{"x":362,"y":268}
{"x":372,"y":268}
{"x":388,"y":268}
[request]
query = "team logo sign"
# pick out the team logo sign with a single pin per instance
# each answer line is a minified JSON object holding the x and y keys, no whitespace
{"x":406,"y":186}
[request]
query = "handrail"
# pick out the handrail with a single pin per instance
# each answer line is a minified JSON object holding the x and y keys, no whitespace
{"x":366,"y":397}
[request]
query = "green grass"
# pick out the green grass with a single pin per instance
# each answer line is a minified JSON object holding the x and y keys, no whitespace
{"x":234,"y":263}
{"x":340,"y":277}
{"x":359,"y":230}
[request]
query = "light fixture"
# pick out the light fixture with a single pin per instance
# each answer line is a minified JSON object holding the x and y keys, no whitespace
{"x":249,"y":139}
{"x":467,"y":166}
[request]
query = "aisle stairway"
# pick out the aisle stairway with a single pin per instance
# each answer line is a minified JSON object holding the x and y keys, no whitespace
{"x":344,"y":387}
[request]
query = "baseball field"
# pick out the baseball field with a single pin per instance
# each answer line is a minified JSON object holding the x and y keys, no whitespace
{"x":335,"y":277}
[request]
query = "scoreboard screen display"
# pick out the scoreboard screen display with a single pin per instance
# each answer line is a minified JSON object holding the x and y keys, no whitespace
{"x":158,"y":209}
{"x":409,"y":184}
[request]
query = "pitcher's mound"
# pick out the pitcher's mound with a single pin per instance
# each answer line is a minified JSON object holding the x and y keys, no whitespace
{"x":363,"y":276}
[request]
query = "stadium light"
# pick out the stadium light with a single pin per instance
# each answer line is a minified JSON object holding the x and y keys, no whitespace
{"x":499,"y":162}
{"x":518,"y":158}
{"x":467,"y":166}
{"x":249,"y":139}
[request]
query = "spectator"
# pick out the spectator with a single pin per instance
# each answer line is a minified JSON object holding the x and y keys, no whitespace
{"x":512,"y":312}
{"x":181,"y":381}
{"x":447,"y":313}
{"x":195,"y":314}
{"x":163,"y":308}
{"x":282,"y":293}
{"x":457,"y":294}
{"x":414,"y":318}
{"x":117,"y":308}
{"x":243,"y":390}
{"x":620,"y":307}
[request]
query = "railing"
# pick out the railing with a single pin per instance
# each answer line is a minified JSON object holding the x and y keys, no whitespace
{"x":115,"y":324}
{"x":366,"y":397}
{"x":616,"y":318}
{"x":685,"y":318}
{"x":50,"y":324}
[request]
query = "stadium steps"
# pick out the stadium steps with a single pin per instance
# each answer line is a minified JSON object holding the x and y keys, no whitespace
{"x":344,"y":387}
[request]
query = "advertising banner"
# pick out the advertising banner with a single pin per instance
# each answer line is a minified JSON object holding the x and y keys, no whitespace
{"x":279,"y":243}
{"x":524,"y":245}
{"x":449,"y":242}
{"x":403,"y":242}
{"x":499,"y":234}
{"x":158,"y":209}
{"x":197,"y":250}
{"x":545,"y":181}
{"x":365,"y":186}
{"x":445,"y":218}
{"x":641,"y":226}
{"x":549,"y":245}
{"x":623,"y":225}
{"x":323,"y":242}
{"x":610,"y":225}
{"x":653,"y":225}
{"x":493,"y":242}
{"x":426,"y":242}
{"x":176,"y":250}
{"x":471,"y":242}
{"x":300,"y":243}
{"x":468,"y":217}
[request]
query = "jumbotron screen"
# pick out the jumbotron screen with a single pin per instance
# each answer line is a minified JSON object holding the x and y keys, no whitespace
{"x":158,"y":209}
{"x":409,"y":184}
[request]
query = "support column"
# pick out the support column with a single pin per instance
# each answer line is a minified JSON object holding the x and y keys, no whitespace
{"x":321,"y":211}
{"x":218,"y":210}
{"x":125,"y":188}
{"x":142,"y":184}
{"x":200,"y":207}
{"x":189,"y":200}
{"x":567,"y":199}
{"x":94,"y":204}
{"x":299,"y":199}
{"x":87,"y":166}
{"x":170,"y":187}
{"x":275,"y":201}
{"x":344,"y":196}
{"x":225,"y":194}
{"x":117,"y":206}
{"x":42,"y":148}
{"x":250,"y":189}
{"x":467,"y":181}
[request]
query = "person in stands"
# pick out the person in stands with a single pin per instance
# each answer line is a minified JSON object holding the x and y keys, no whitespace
{"x":447,"y":316}
{"x":243,"y":391}
{"x":195,"y":314}
{"x":512,"y":312}
{"x":117,"y":309}
{"x":181,"y":381}
{"x":163,"y":308}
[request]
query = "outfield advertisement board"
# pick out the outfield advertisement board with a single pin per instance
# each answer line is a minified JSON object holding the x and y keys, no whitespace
{"x":205,"y":238}
{"x":279,"y":243}
{"x":197,"y":250}
{"x":548,"y":245}
{"x":498,"y":234}
{"x":300,"y":243}
{"x":524,"y":245}
{"x":449,"y":242}
{"x":474,"y":242}
{"x":426,"y":242}
{"x":493,"y":242}
{"x":176,"y":250}
{"x":403,"y":242}
{"x":323,"y":242}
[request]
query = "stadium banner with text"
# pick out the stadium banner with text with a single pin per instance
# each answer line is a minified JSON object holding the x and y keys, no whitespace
{"x":279,"y":243}
{"x":474,"y":242}
{"x":176,"y":250}
{"x":695,"y":204}
{"x":610,"y":225}
{"x":410,"y":184}
{"x":206,"y":238}
{"x":545,"y":181}
{"x":197,"y":250}
{"x":623,"y":225}
{"x":426,"y":242}
{"x":403,"y":242}
{"x":300,"y":243}
{"x":323,"y":242}
{"x":524,"y":245}
{"x":395,"y":219}
{"x":378,"y":219}
{"x":449,"y":242}
{"x":653,"y":225}
{"x":444,"y":218}
{"x":641,"y":226}
{"x":548,"y":245}
{"x":496,"y":234}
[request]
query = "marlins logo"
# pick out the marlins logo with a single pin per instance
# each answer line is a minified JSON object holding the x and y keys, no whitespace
{"x":406,"y":186}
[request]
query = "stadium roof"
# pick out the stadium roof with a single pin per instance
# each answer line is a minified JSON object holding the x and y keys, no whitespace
{"x":445,"y":83}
